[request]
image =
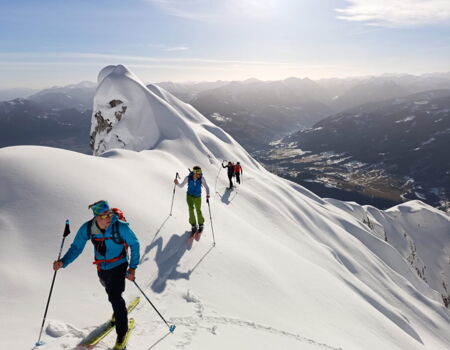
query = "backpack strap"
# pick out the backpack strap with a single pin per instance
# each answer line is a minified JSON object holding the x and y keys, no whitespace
{"x":116,"y":234}
{"x":115,"y":237}
{"x":89,"y":228}
{"x":99,"y":261}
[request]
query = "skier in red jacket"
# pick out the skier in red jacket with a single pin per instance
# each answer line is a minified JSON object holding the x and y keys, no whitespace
{"x":238,"y":172}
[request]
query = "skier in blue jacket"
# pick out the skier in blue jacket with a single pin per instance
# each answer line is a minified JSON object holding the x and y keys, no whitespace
{"x":195,"y":182}
{"x":111,"y":238}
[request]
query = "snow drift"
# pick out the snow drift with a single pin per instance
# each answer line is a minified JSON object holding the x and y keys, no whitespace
{"x":290,"y":270}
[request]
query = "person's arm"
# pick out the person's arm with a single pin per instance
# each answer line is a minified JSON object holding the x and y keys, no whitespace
{"x":206,"y":186}
{"x":183,"y":183}
{"x":133,"y":242}
{"x":76,"y":247}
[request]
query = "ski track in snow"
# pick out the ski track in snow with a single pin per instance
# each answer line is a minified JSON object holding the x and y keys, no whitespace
{"x":200,"y":321}
{"x":193,"y":323}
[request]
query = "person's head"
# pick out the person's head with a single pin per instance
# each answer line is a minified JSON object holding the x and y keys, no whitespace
{"x":230,"y":163}
{"x":102,"y":212}
{"x":196,"y":172}
{"x":238,"y":163}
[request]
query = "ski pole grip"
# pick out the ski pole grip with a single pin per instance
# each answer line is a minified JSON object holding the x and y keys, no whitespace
{"x":67,"y":228}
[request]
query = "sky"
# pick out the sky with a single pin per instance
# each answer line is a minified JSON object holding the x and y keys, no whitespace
{"x":49,"y":42}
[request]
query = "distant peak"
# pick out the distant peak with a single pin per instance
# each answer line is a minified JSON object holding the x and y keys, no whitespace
{"x":251,"y":80}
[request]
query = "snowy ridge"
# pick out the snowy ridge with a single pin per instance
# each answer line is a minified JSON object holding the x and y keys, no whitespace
{"x":419,"y":233}
{"x":128,"y":115}
{"x":289,"y":269}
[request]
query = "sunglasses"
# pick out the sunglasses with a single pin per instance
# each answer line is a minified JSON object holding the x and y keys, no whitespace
{"x":107,"y":215}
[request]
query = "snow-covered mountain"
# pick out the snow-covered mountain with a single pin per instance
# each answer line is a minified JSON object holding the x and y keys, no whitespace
{"x":78,"y":96}
{"x":257,"y":112}
{"x":56,"y":117}
{"x":11,"y":94}
{"x":187,"y":91}
{"x":24,"y":122}
{"x":290,"y":270}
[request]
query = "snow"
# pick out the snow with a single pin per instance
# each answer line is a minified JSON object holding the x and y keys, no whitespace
{"x":405,"y":120}
{"x":430,"y":140}
{"x":220,"y":118}
{"x":420,"y":195}
{"x":287,"y":153}
{"x":290,"y":270}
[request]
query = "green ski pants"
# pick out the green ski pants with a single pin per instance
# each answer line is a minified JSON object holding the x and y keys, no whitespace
{"x":197,"y":203}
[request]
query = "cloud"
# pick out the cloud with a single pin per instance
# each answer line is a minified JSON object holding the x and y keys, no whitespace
{"x":177,"y":48}
{"x":207,"y":10}
{"x":20,"y":68}
{"x":164,"y":47}
{"x":397,"y":13}
{"x":29,"y":58}
{"x":190,"y":9}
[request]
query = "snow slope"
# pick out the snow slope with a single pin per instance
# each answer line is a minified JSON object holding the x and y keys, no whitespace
{"x":290,"y":270}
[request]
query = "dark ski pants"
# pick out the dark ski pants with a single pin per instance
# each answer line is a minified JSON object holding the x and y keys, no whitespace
{"x":230,"y":177}
{"x":114,"y":282}
{"x":238,"y":178}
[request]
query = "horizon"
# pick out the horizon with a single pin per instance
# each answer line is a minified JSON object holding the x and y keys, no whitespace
{"x":188,"y":82}
{"x":52,"y":42}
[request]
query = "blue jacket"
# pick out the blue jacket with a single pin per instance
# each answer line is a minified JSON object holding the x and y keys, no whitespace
{"x":113,"y":249}
{"x":194,"y":186}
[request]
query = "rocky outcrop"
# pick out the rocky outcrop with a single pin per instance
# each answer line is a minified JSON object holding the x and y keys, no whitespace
{"x":104,"y":124}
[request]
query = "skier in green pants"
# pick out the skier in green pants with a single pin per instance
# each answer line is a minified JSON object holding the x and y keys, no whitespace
{"x":195,"y":181}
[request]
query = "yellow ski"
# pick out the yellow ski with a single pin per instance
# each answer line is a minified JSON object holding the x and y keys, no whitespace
{"x":101,"y":332}
{"x":123,"y":346}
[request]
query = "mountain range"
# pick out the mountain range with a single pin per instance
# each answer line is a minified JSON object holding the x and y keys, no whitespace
{"x":277,"y":266}
{"x":258,"y":112}
{"x":394,"y":149}
{"x":24,"y":122}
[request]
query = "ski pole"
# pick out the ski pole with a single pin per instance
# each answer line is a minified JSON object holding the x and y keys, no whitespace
{"x":210,"y":219}
{"x":172,"y":327}
{"x":217,"y":177}
{"x":65,"y":234}
{"x":173,"y":196}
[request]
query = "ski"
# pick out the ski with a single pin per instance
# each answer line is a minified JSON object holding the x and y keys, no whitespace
{"x":198,"y":234}
{"x":123,"y":346}
{"x":195,"y":234}
{"x":101,"y":332}
{"x":194,"y":230}
{"x":190,"y":240}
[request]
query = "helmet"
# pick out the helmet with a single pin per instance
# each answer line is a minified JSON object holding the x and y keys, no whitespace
{"x":197,"y":170}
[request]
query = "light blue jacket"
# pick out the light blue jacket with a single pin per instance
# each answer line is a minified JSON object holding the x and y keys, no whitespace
{"x":113,"y":249}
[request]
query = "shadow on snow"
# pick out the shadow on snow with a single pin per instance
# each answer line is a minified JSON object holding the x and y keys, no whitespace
{"x":228,"y":195}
